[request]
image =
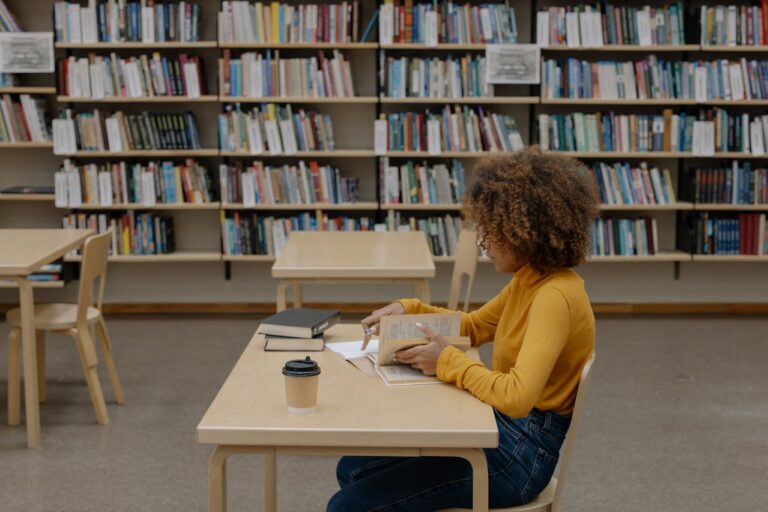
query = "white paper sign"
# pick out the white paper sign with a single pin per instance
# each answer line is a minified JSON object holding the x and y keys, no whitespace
{"x":64,"y":142}
{"x":433,"y":136}
{"x":380,"y":129}
{"x":26,"y":52}
{"x":704,"y":138}
{"x":512,"y":63}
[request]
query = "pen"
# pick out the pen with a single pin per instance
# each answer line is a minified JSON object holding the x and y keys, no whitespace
{"x":368,"y":332}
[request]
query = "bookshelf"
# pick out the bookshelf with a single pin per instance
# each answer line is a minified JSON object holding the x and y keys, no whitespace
{"x":208,"y":98}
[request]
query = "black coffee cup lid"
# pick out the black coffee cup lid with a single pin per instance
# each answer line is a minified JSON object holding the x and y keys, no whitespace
{"x":301,"y":368}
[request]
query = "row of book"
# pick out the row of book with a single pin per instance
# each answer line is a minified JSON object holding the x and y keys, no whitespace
{"x":441,"y":232}
{"x":606,"y":24}
{"x":112,"y":21}
{"x":733,"y":25}
{"x":132,"y":233}
{"x":656,"y":79}
{"x":274,"y":22}
{"x":302,"y":184}
{"x":98,"y":131}
{"x":464,"y":128}
{"x":623,"y":184}
{"x":255,"y":75}
{"x":122,"y":183}
{"x":274,"y":129}
{"x":131,"y":77}
{"x":624,"y":237}
{"x":745,"y":234}
{"x":23,"y":121}
{"x":404,"y":21}
{"x":413,"y":77}
{"x":703,"y":133}
{"x":419,"y":183}
{"x":8,"y":22}
{"x":738,"y":184}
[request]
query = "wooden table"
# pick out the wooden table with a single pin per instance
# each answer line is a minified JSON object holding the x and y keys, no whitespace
{"x":356,"y":415}
{"x":324,"y":257}
{"x":22,"y":251}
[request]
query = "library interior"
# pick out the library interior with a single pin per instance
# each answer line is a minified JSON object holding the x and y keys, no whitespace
{"x":406,"y":255}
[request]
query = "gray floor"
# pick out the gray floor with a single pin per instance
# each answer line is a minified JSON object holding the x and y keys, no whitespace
{"x":676,"y":419}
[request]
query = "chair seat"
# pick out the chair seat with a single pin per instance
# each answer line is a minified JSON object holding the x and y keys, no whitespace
{"x":542,"y":503}
{"x":52,"y":317}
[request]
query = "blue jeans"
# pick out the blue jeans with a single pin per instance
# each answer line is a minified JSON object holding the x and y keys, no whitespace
{"x":518,"y":470}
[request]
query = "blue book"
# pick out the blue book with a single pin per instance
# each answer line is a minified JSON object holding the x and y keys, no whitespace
{"x":370,"y":26}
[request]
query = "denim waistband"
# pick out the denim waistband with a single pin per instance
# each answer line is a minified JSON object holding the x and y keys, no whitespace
{"x":550,"y":421}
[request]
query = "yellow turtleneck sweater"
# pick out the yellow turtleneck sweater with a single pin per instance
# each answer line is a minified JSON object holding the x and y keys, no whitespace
{"x":543,"y":330}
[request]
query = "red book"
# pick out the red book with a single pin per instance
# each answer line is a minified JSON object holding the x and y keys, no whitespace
{"x":764,"y":12}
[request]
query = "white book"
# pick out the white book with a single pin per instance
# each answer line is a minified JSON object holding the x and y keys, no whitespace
{"x":700,"y":84}
{"x":114,"y":138}
{"x":147,"y":23}
{"x":585,"y":29}
{"x":430,"y":28}
{"x":249,"y":189}
{"x":105,"y":189}
{"x":255,"y":142}
{"x":98,"y":80}
{"x":192,"y":80}
{"x":737,"y":85}
{"x":756,"y":138}
{"x":704,"y":138}
{"x":75,"y":192}
{"x":380,"y":130}
{"x":273,"y":137}
{"x":75,"y":33}
{"x":64,"y":141}
{"x":61,"y":189}
{"x":386,"y":23}
{"x":542,"y":28}
{"x":289,"y":137}
{"x":731,"y":28}
{"x":643,"y":18}
{"x":485,"y":24}
{"x":596,"y":29}
{"x":433,"y":136}
{"x":572,"y":36}
{"x":148,"y":189}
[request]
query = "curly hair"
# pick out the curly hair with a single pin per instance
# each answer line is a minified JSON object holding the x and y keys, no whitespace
{"x":537,"y":205}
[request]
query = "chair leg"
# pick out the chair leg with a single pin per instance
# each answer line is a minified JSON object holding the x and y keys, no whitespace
{"x":106,"y":347}
{"x":82,"y":336}
{"x":14,"y":377}
{"x":40,"y":342}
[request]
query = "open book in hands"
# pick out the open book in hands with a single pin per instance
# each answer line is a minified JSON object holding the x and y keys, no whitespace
{"x":398,"y":332}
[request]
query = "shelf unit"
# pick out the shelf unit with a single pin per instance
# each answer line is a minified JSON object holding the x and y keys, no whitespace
{"x":30,"y":89}
{"x":21,"y":198}
{"x":289,"y":99}
{"x":208,"y":98}
{"x":137,"y":45}
{"x":362,"y":205}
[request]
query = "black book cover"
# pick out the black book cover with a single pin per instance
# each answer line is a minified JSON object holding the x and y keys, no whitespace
{"x":300,"y":322}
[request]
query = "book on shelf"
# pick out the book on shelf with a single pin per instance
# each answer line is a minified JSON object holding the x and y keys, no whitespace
{"x":147,"y":21}
{"x":734,"y":25}
{"x":419,"y":183}
{"x":23,"y":121}
{"x":624,"y":184}
{"x":300,"y":322}
{"x":118,"y":131}
{"x":740,"y":184}
{"x":730,"y":235}
{"x":255,"y":75}
{"x":27,"y":189}
{"x":583,"y":26}
{"x":624,"y":237}
{"x":265,"y":22}
{"x":274,"y":129}
{"x":462,"y":128}
{"x":131,"y":233}
{"x":441,"y":232}
{"x":123,"y":183}
{"x":302,"y":184}
{"x":142,"y":76}
{"x":406,"y":21}
{"x":435,"y":77}
{"x":274,"y":343}
{"x":651,"y":78}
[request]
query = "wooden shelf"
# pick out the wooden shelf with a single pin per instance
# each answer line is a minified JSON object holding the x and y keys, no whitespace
{"x":338,"y":153}
{"x":680,"y":205}
{"x":424,"y":207}
{"x":158,"y":206}
{"x":625,"y":48}
{"x":444,"y":154}
{"x":148,"y":99}
{"x":441,"y":46}
{"x":21,"y":89}
{"x":25,"y":145}
{"x":444,"y":259}
{"x":307,"y":99}
{"x":149,"y":153}
{"x":730,"y":207}
{"x":618,"y":101}
{"x":176,"y":257}
{"x":495,"y":100}
{"x":167,"y":45}
{"x":651,"y":154}
{"x":35,"y":284}
{"x":363,"y":205}
{"x":736,"y":48}
{"x":300,"y":46}
{"x":249,"y":258}
{"x":655,"y":258}
{"x":20,"y":198}
{"x":740,"y":258}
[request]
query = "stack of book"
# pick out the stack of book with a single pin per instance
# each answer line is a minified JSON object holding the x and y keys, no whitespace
{"x":744,"y":234}
{"x":623,"y":184}
{"x":115,"y":22}
{"x":24,"y":121}
{"x":86,"y":131}
{"x":302,"y":184}
{"x":463,"y":128}
{"x":132,"y":233}
{"x":413,"y":77}
{"x":606,"y":24}
{"x":264,"y":22}
{"x":274,"y":129}
{"x":255,"y":75}
{"x":419,"y":183}
{"x":738,"y":184}
{"x":297,"y":329}
{"x":624,"y":237}
{"x":131,"y":77}
{"x":442,"y":233}
{"x":732,"y":25}
{"x":123,"y":183}
{"x":403,"y":21}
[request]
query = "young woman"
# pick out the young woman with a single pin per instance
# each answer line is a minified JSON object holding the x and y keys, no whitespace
{"x":533,"y":212}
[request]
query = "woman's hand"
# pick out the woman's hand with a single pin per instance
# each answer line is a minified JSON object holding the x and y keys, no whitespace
{"x":424,"y":357}
{"x":371,"y":323}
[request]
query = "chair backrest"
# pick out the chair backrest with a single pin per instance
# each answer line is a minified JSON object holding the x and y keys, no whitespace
{"x":466,"y":264}
{"x":565,"y":456}
{"x":94,"y":266}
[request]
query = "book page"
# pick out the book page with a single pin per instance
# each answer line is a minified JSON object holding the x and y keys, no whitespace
{"x":401,"y":374}
{"x":403,"y":327}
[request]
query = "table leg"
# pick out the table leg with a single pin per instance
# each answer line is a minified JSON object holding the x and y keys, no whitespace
{"x":29,"y":360}
{"x":217,"y":479}
{"x":421,"y":290}
{"x":282,"y":291}
{"x":476,"y":458}
{"x":297,"y":300}
{"x":270,"y":482}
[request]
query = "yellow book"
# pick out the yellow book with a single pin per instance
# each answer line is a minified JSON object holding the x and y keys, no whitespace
{"x":275,"y":22}
{"x":260,"y":32}
{"x":178,"y":185}
{"x":126,"y":240}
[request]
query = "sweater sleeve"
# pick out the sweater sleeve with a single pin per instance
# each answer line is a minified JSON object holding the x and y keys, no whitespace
{"x":515,"y":392}
{"x":479,"y":325}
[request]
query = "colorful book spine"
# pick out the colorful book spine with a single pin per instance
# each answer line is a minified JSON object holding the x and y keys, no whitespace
{"x":442,"y":233}
{"x":734,"y":25}
{"x":743,"y":234}
{"x":419,"y":183}
{"x":624,"y":184}
{"x":24,"y":120}
{"x":738,"y":184}
{"x":624,"y":237}
{"x":434,"y":77}
{"x":132,"y":233}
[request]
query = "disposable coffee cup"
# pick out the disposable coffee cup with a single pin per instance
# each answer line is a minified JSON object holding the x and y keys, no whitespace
{"x":301,"y":379}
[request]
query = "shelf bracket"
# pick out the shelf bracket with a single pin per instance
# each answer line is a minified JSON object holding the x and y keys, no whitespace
{"x":676,"y":271}
{"x":228,"y":270}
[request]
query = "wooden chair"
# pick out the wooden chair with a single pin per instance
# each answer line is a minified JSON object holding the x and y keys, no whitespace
{"x":465,"y":265}
{"x":75,"y":320}
{"x":549,"y":499}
